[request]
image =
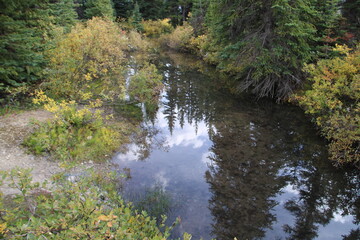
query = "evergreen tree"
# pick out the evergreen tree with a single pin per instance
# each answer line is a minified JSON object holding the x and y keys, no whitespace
{"x":265,"y":42}
{"x":351,"y":11}
{"x":178,"y":10}
{"x":123,"y":8}
{"x":99,"y":8}
{"x":22,"y":27}
{"x":80,"y":8}
{"x":63,"y":13}
{"x":152,"y":9}
{"x":136,"y":18}
{"x":198,"y":11}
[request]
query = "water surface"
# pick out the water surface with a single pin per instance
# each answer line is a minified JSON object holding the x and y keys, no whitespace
{"x":237,"y":167}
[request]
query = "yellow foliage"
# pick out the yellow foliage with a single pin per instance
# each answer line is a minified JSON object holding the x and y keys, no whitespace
{"x":76,"y":133}
{"x":334,"y":102}
{"x":155,"y":28}
{"x":2,"y":228}
{"x":107,"y":218}
{"x":199,"y":45}
{"x":89,"y":59}
{"x":180,"y":38}
{"x":343,"y":49}
{"x":137,"y":42}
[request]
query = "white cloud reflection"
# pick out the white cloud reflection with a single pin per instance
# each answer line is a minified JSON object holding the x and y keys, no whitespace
{"x":189,"y":135}
{"x":342,"y":219}
{"x":206,"y":160}
{"x":291,"y":189}
{"x":161,"y":180}
{"x":132,"y":154}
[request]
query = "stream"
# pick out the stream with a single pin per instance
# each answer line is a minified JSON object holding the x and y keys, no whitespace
{"x":236,"y":166}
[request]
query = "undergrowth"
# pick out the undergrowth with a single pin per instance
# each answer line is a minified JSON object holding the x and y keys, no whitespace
{"x":76,"y":133}
{"x":89,"y":207}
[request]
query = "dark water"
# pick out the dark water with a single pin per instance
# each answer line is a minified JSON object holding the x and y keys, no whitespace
{"x":236,"y":167}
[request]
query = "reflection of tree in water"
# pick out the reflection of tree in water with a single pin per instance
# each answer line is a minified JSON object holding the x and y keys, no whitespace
{"x":140,"y":115}
{"x":353,"y":235}
{"x":190,"y":96}
{"x":243,"y":180}
{"x":323,"y":192}
{"x":253,"y":159}
{"x":257,"y":150}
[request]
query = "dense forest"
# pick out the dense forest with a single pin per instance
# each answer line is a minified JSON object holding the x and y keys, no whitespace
{"x":64,"y":54}
{"x":303,"y":51}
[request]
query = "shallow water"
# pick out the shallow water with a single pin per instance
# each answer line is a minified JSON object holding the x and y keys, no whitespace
{"x":237,"y":167}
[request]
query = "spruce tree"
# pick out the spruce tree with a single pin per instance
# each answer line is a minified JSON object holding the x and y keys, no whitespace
{"x":99,"y":8}
{"x":265,"y":42}
{"x":136,"y":18}
{"x":152,"y":9}
{"x":123,"y":8}
{"x":63,"y":13}
{"x":351,"y":11}
{"x":197,"y":20}
{"x":22,"y":27}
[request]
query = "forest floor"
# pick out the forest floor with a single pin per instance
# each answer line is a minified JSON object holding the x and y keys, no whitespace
{"x":13,"y":130}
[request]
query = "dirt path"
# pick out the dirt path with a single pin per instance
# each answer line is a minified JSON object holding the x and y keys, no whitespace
{"x":13,"y":129}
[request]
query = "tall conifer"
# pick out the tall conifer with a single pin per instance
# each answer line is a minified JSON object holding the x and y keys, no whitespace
{"x":21,"y":34}
{"x":266,"y":42}
{"x":99,"y":8}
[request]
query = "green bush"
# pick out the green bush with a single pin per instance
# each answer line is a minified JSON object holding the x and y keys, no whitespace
{"x":89,"y":207}
{"x":333,"y":102}
{"x":146,"y":85}
{"x":75,"y":134}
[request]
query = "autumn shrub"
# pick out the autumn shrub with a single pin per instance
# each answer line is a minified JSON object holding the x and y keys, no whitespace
{"x":137,"y":42}
{"x":155,"y":28}
{"x":198,"y":45}
{"x":201,"y":46}
{"x":333,"y":102}
{"x":87,"y":208}
{"x":146,"y":85}
{"x":88,"y":66}
{"x":75,"y":133}
{"x":88,"y":62}
{"x":180,"y":38}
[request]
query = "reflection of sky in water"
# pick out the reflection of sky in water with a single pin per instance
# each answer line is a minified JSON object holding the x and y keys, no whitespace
{"x":181,"y":170}
{"x":186,"y":136}
{"x":337,"y":227}
{"x":130,"y":155}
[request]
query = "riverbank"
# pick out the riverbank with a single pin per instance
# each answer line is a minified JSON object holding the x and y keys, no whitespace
{"x":13,"y":130}
{"x":15,"y":127}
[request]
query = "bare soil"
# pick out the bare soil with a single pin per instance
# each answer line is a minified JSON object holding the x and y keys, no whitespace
{"x":13,"y":129}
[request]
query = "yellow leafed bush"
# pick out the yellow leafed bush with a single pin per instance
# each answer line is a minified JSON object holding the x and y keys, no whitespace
{"x":137,"y":42}
{"x":76,"y":133}
{"x":334,"y":104}
{"x":88,"y":62}
{"x":155,"y":28}
{"x":180,"y":38}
